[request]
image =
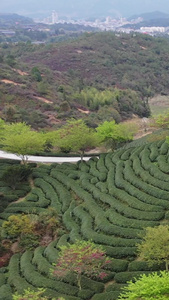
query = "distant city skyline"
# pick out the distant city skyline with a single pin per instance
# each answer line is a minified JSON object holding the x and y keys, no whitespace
{"x":83,"y":8}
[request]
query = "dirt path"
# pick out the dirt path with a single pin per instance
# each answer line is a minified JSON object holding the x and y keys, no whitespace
{"x":20,"y":72}
{"x":83,"y":111}
{"x":43,"y":99}
{"x":10,"y":81}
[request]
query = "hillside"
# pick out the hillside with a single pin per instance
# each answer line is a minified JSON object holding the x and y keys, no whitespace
{"x":109,"y":200}
{"x":13,"y":20}
{"x":133,"y":67}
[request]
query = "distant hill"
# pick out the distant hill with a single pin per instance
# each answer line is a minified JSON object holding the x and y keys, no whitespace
{"x":7,"y":20}
{"x":150,"y":16}
{"x":157,"y":19}
{"x":160,"y":22}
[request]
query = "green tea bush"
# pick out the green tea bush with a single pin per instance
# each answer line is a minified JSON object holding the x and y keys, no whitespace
{"x":106,"y":296}
{"x":126,"y":154}
{"x":143,"y":191}
{"x":118,"y":265}
{"x":124,"y":277}
{"x":146,"y":177}
{"x":50,"y":252}
{"x":83,"y":167}
{"x":41,"y":262}
{"x":163,"y":164}
{"x":102,"y":186}
{"x":164,"y":148}
{"x":90,"y":234}
{"x":103,"y":225}
{"x":63,"y":196}
{"x":63,"y":240}
{"x":71,"y":224}
{"x":154,"y":151}
{"x":38,"y":280}
{"x":121,"y":252}
{"x":2,"y":279}
{"x":144,"y":266}
{"x":101,"y":164}
{"x":153,"y":170}
{"x":133,"y":209}
{"x":85,"y":294}
{"x":108,"y":160}
{"x":93,"y":169}
{"x":5,"y":292}
{"x":123,"y":221}
{"x":115,"y":287}
{"x":15,"y":279}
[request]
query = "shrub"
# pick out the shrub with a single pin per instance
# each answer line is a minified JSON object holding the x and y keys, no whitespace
{"x":153,"y":286}
{"x":34,"y":295}
{"x":17,"y":225}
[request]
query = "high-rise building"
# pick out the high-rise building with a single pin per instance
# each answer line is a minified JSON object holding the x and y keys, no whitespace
{"x":54,"y":17}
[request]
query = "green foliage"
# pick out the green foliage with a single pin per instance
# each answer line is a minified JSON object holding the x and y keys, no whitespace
{"x":155,"y":245}
{"x":34,"y":295}
{"x":151,"y":287}
{"x":42,"y":88}
{"x":48,"y":221}
{"x":76,"y":136}
{"x":36,"y":75}
{"x":18,"y":138}
{"x":29,"y":241}
{"x":114,"y":134}
{"x":162,"y":120}
{"x":10,"y":60}
{"x":93,"y":98}
{"x":17,"y":225}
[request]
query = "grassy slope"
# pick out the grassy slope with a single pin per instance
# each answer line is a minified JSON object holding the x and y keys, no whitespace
{"x":110,"y":201}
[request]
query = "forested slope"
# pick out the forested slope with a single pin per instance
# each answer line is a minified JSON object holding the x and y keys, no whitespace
{"x":63,"y":80}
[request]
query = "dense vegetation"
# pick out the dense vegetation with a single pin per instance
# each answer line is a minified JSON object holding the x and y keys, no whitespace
{"x":109,"y":200}
{"x":98,"y":76}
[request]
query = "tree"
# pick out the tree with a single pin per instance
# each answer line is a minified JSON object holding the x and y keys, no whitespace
{"x":148,"y":287}
{"x":17,"y":225}
{"x":36,"y":74}
{"x":48,"y":221}
{"x":16,"y":174}
{"x":10,"y":60}
{"x":155,"y":245}
{"x":18,"y":138}
{"x":161,"y":121}
{"x":76,"y":136}
{"x":113,"y":134}
{"x":21,"y":228}
{"x":42,"y":87}
{"x":10,"y":113}
{"x":83,"y":257}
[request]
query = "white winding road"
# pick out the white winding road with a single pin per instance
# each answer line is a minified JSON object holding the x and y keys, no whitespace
{"x":42,"y":159}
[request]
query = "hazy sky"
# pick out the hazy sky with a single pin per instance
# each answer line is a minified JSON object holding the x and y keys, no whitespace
{"x":80,"y":8}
